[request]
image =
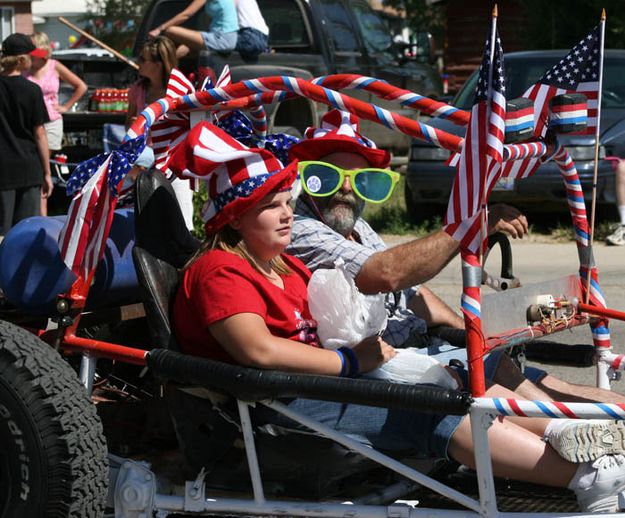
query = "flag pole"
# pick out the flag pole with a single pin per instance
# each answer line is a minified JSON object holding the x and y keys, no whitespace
{"x":483,"y":208}
{"x":596,"y":168}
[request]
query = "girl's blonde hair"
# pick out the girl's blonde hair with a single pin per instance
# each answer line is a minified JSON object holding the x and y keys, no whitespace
{"x":229,"y":240}
{"x":41,"y":41}
{"x":162,"y":50}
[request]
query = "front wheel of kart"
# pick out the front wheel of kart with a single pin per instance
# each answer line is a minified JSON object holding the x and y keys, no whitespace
{"x":53,"y":459}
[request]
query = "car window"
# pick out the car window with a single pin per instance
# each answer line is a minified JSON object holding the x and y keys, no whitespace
{"x":375,"y":32}
{"x":520,"y":75}
{"x":286,"y":23}
{"x":343,"y":33}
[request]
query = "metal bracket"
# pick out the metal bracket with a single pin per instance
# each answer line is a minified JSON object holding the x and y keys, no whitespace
{"x":195,"y":493}
{"x":134,"y":490}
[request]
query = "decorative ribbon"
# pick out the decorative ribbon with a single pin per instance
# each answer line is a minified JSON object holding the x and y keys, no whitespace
{"x":121,"y":162}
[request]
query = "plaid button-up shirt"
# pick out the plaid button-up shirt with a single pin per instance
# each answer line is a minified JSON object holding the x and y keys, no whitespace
{"x":318,"y":246}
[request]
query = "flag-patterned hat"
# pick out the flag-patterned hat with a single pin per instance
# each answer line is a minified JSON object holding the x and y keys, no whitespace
{"x":236,"y":176}
{"x":339,"y":132}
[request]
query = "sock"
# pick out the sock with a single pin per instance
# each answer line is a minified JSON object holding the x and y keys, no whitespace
{"x":584,"y":476}
{"x":621,"y":211}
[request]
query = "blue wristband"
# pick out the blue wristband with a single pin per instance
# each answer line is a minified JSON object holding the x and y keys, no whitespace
{"x":343,"y":363}
{"x":354,"y":365}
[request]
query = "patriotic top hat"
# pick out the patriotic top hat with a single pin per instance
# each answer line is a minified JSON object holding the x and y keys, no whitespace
{"x":237,"y":177}
{"x":339,"y":132}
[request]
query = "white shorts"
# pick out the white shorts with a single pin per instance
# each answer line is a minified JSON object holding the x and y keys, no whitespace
{"x":54,"y":131}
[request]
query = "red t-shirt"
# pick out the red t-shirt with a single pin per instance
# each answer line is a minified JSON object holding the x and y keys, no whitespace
{"x":221,"y":284}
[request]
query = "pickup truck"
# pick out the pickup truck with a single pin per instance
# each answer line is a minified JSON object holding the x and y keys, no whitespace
{"x":310,"y":38}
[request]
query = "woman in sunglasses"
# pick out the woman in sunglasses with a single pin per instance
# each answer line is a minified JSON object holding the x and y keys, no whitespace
{"x":242,"y":300}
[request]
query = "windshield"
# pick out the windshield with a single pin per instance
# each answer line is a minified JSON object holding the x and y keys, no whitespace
{"x":521,"y":74}
{"x":375,"y":31}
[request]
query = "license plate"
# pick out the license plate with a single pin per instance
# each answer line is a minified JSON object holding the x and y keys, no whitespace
{"x":504,"y":184}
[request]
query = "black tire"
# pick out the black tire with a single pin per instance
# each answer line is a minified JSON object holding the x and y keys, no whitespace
{"x":419,"y":212}
{"x":53,"y":460}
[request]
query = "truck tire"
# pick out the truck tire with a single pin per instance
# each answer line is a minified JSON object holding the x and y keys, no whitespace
{"x":53,"y":461}
{"x":420,"y":212}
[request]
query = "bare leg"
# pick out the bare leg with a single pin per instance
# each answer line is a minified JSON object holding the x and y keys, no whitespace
{"x":516,"y":452}
{"x":182,"y":36}
{"x":510,"y":376}
{"x":560,"y":390}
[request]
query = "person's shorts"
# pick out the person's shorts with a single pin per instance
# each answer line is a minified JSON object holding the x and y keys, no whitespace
{"x":251,"y":43}
{"x":219,"y":41}
{"x":445,"y":352}
{"x":54,"y":131}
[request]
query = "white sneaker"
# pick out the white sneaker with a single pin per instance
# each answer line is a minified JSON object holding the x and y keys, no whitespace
{"x":585,"y":441}
{"x":602,"y":495}
{"x":617,"y":238}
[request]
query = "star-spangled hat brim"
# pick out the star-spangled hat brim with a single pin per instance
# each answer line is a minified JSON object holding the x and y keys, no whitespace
{"x":278,"y":181}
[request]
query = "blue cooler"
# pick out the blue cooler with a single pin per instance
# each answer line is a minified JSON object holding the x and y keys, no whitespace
{"x":32,"y":272}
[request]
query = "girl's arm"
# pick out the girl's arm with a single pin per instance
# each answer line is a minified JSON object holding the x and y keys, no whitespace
{"x":180,"y":18}
{"x":79,"y":86}
{"x":247,"y":339}
{"x":131,"y":112}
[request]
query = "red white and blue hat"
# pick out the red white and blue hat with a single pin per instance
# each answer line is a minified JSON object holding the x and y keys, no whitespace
{"x":339,"y":132}
{"x":236,"y":176}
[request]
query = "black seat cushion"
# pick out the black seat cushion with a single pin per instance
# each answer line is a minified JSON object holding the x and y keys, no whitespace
{"x":163,"y":245}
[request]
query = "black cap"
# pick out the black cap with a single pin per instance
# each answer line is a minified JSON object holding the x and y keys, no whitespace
{"x":17,"y":44}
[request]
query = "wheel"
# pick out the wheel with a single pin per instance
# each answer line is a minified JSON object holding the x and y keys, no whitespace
{"x":419,"y":212}
{"x":53,"y":459}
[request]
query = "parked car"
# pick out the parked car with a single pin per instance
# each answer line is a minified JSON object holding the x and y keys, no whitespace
{"x":429,"y":180}
{"x":311,"y":38}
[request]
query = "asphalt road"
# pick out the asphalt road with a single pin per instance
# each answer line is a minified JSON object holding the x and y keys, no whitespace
{"x":536,"y":262}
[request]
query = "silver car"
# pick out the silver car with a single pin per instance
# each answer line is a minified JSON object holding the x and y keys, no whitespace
{"x":429,"y":181}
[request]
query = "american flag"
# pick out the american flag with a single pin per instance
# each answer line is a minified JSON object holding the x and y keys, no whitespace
{"x":577,"y":72}
{"x":94,"y":185}
{"x":172,"y":129}
{"x":480,"y":161}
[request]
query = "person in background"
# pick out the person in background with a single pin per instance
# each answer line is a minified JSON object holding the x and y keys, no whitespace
{"x":222,"y":31}
{"x":157,"y":59}
{"x":253,"y":37}
{"x":617,"y":238}
{"x":242,"y":300}
{"x":24,"y":157}
{"x":48,"y":74}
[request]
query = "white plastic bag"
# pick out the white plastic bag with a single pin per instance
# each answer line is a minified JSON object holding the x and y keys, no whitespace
{"x":345,"y":317}
{"x":411,"y":366}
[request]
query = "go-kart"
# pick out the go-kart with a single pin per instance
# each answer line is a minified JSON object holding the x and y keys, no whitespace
{"x":101,"y":413}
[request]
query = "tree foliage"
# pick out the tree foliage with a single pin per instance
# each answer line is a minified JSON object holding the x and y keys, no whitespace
{"x":115,"y":22}
{"x":421,"y":16}
{"x":559,"y":24}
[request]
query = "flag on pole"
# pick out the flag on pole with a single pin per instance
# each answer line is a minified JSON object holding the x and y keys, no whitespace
{"x":480,"y":161}
{"x":94,"y":185}
{"x":578,"y":72}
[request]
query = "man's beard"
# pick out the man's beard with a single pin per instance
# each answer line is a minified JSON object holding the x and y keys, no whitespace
{"x":341,"y":211}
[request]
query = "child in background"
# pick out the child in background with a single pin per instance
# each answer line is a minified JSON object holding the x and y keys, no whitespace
{"x":24,"y":161}
{"x":48,"y":74}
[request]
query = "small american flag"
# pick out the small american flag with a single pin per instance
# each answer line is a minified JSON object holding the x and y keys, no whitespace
{"x":577,"y":72}
{"x":172,"y":129}
{"x":480,"y":161}
{"x":94,"y":185}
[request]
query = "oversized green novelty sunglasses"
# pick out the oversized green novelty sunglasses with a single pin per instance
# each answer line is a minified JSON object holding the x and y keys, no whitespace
{"x":370,"y":184}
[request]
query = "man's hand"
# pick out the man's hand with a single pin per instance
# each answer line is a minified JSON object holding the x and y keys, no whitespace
{"x":507,"y":219}
{"x":373,"y":352}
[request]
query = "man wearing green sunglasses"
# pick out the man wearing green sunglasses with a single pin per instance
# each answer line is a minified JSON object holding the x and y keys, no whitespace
{"x":340,"y":171}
